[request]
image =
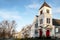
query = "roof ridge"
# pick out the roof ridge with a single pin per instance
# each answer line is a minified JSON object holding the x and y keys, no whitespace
{"x":45,"y":4}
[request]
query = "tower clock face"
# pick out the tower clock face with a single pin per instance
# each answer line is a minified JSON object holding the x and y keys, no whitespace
{"x":47,"y":11}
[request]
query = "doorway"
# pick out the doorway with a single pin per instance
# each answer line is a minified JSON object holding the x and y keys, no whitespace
{"x":48,"y":33}
{"x":40,"y":32}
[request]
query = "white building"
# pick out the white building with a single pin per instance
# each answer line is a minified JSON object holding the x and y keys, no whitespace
{"x":43,"y":24}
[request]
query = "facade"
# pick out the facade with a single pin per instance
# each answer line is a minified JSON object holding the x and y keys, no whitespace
{"x":45,"y":21}
{"x":43,"y":24}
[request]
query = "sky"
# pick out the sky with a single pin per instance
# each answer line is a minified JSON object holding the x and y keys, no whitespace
{"x":23,"y":11}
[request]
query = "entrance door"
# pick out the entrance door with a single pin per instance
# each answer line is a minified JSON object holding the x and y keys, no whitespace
{"x":40,"y":33}
{"x":48,"y":33}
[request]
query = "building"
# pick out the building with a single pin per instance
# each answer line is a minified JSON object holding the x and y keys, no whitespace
{"x":17,"y":35}
{"x":43,"y":24}
{"x":34,"y":28}
{"x":26,"y":31}
{"x":56,"y":23}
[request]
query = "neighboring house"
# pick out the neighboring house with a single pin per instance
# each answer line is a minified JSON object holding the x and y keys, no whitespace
{"x":26,"y":31}
{"x":43,"y":24}
{"x":56,"y":23}
{"x":17,"y":35}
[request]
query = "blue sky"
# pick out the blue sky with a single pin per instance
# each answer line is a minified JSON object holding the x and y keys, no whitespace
{"x":23,"y":11}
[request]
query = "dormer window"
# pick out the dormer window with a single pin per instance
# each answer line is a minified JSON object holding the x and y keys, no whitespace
{"x":41,"y":12}
{"x":47,"y":11}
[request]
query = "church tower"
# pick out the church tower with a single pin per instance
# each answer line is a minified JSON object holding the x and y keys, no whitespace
{"x":45,"y":20}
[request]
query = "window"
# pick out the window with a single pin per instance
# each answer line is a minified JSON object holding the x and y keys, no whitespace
{"x":47,"y":11}
{"x":36,"y":25}
{"x":36,"y":32}
{"x":41,"y":12}
{"x":41,"y":21}
{"x":48,"y":20}
{"x":56,"y":29}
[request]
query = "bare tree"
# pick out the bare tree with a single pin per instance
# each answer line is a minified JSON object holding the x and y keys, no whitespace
{"x":7,"y":28}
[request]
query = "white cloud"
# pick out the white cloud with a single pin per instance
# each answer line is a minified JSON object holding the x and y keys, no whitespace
{"x":32,"y":9}
{"x":5,"y":14}
{"x":56,"y":10}
{"x":32,"y":6}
